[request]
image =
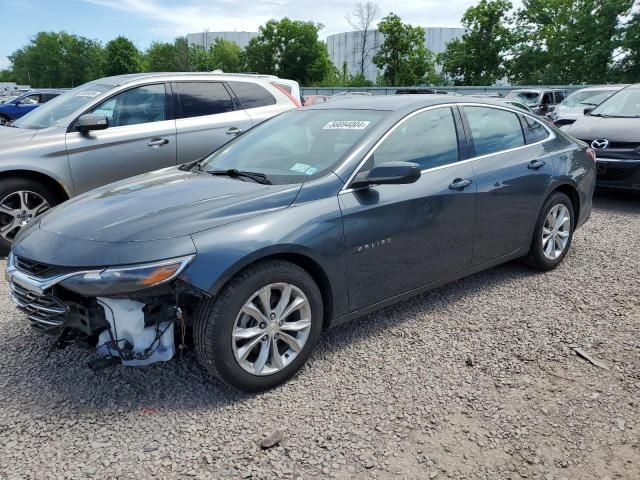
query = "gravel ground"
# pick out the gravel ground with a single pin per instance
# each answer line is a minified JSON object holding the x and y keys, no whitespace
{"x":478,"y":379}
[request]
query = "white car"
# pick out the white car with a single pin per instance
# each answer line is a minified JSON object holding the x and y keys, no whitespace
{"x":573,"y":106}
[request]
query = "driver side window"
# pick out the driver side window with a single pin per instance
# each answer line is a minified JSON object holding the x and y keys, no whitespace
{"x":428,"y":139}
{"x":138,"y":105}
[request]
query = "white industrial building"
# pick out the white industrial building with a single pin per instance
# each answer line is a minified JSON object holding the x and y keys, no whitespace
{"x":206,"y":39}
{"x":343,"y":47}
{"x":346,"y":47}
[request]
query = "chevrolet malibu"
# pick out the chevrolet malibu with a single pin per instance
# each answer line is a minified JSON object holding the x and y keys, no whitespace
{"x":315,"y":217}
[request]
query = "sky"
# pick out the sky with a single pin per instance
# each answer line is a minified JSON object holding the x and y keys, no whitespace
{"x":144,"y":21}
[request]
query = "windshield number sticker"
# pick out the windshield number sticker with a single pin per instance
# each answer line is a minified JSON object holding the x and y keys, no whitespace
{"x":300,"y":167}
{"x":88,"y":93}
{"x":346,"y":125}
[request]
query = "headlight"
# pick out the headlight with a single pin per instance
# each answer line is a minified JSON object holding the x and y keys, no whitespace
{"x":119,"y":280}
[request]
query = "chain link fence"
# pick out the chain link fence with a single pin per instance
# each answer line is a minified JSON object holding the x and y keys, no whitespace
{"x":502,"y":90}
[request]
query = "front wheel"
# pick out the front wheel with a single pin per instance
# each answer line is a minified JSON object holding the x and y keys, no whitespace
{"x":553,"y":233}
{"x":21,"y":201}
{"x":261,"y":328}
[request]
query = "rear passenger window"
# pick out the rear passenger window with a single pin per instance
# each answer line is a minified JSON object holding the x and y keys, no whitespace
{"x":534,"y":131}
{"x":251,"y":95}
{"x":198,"y":99}
{"x":494,"y":130}
{"x":428,"y":139}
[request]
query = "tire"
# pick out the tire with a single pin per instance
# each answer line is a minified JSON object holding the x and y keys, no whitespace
{"x":216,"y":323}
{"x":545,"y":256}
{"x":4,"y":119}
{"x":39,"y":199}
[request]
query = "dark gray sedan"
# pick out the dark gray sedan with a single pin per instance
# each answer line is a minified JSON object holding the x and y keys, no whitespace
{"x":310,"y":219}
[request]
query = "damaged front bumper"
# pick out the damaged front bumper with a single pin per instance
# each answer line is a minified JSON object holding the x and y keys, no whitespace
{"x":137,"y":328}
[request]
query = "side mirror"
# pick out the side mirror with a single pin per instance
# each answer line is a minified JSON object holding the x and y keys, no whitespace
{"x":390,"y":173}
{"x":588,"y":110}
{"x":92,"y":121}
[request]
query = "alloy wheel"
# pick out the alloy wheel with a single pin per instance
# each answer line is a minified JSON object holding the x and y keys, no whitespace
{"x":271,"y":329}
{"x":556,"y":231}
{"x":18,"y":209}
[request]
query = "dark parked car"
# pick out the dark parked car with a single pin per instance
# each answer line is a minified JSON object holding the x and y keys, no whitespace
{"x":15,"y":108}
{"x":540,"y":100}
{"x":613,"y":131}
{"x":312,"y":218}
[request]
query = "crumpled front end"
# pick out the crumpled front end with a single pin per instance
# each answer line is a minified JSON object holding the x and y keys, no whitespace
{"x":104,"y":308}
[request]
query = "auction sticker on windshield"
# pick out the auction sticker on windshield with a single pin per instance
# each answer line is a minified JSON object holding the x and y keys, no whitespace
{"x":346,"y":125}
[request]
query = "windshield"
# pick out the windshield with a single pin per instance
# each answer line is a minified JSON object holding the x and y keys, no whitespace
{"x":56,"y":109}
{"x":589,"y":97}
{"x":528,"y":98}
{"x":624,"y":104}
{"x":295,"y":146}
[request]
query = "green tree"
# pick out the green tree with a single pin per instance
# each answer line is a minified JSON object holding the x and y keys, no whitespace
{"x":289,"y":49}
{"x":403,"y":56}
{"x":161,"y":57}
{"x":121,"y":56}
{"x":199,"y":59}
{"x":226,"y":56}
{"x":57,"y":59}
{"x":182,"y":58}
{"x":478,"y":57}
{"x":627,"y":66}
{"x":567,"y":41}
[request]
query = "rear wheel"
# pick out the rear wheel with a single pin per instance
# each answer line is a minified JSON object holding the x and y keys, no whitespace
{"x":4,"y":120}
{"x":21,"y":200}
{"x":261,"y":328}
{"x":553,"y":233}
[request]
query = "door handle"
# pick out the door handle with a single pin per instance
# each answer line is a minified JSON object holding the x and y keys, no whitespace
{"x":460,"y":184}
{"x":234,"y":131}
{"x":157,"y":142}
{"x":536,"y":164}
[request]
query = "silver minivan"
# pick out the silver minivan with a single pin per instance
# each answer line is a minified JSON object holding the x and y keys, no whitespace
{"x":117,"y":127}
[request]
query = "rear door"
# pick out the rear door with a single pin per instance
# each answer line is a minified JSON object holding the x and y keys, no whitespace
{"x":208,"y":117}
{"x":513,"y":170}
{"x":256,"y":100}
{"x":401,"y":237}
{"x":141,"y":137}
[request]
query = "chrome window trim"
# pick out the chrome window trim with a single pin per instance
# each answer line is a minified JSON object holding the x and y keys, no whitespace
{"x":551,"y":136}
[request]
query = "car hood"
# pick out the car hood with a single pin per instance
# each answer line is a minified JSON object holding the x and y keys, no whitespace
{"x":613,"y":129}
{"x":164,"y":204}
{"x":12,"y":134}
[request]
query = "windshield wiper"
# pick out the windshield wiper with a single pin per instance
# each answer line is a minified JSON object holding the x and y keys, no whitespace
{"x":193,"y":165}
{"x":587,"y":103}
{"x":234,"y":173}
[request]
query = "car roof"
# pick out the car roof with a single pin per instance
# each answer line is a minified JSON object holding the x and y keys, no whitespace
{"x":399,"y":103}
{"x":170,"y":76}
{"x":602,"y":87}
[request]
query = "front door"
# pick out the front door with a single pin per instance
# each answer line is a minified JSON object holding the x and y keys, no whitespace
{"x":513,"y":172}
{"x":141,"y":137}
{"x":401,"y":237}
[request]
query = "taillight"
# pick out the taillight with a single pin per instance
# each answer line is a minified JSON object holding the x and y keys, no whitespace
{"x":295,"y":101}
{"x":592,"y":154}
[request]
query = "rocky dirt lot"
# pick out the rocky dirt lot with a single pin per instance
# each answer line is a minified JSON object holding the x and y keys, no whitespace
{"x":476,"y":380}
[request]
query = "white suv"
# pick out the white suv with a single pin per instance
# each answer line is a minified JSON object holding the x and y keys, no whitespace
{"x":117,"y":127}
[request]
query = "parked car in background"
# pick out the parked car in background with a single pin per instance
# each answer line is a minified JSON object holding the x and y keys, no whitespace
{"x":613,"y":131}
{"x":314,"y":99}
{"x":351,"y":94}
{"x":313,"y":218}
{"x":540,"y":100}
{"x":17,"y":106}
{"x":122,"y":126}
{"x":573,"y":106}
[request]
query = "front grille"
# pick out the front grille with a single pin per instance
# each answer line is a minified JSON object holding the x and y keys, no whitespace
{"x":37,"y":269}
{"x":45,"y":311}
